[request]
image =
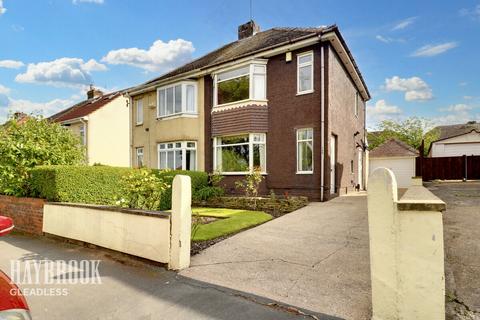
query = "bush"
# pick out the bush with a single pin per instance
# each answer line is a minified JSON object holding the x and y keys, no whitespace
{"x":30,"y":143}
{"x":78,"y":184}
{"x":208,"y":192}
{"x":199,"y":180}
{"x":98,"y":184}
{"x":141,"y":189}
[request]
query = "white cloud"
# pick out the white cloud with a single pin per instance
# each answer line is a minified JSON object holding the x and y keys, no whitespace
{"x":432,"y":50}
{"x":11,"y":64}
{"x":404,"y":23}
{"x":468,"y":97}
{"x":4,"y":90}
{"x":456,"y":118}
{"x":2,"y":8}
{"x":70,"y":72}
{"x":381,"y":111}
{"x":386,"y":39}
{"x":88,"y":1}
{"x":472,"y":13}
{"x":463,"y":84}
{"x":415,"y":88}
{"x":160,"y":57}
{"x":460,"y":107}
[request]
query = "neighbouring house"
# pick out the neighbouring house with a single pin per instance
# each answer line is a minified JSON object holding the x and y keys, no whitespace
{"x":102,"y":123}
{"x":456,"y":140}
{"x":288,"y":101}
{"x":397,"y":156}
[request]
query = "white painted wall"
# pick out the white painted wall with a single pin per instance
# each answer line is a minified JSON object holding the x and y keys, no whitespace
{"x":402,"y":167}
{"x":467,"y":144}
{"x":108,"y":139}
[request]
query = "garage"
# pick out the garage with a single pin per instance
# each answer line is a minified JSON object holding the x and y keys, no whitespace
{"x":396,"y":156}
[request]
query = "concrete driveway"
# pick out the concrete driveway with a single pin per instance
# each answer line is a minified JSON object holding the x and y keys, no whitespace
{"x":315,"y":258}
{"x":462,"y":247}
{"x":129,"y":289}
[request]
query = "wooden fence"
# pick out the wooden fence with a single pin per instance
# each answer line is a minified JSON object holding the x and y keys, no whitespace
{"x":448,"y":168}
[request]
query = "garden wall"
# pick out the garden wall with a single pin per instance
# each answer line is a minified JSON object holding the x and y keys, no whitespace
{"x":276,"y":207}
{"x":27,"y":213}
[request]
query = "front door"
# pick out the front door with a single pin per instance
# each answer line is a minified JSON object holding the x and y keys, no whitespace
{"x":360,"y":169}
{"x":333,"y":162}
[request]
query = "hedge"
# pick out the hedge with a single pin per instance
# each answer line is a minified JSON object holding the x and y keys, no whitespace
{"x":96,"y":184}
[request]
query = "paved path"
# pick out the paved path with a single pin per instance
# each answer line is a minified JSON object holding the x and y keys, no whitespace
{"x":316,"y":258}
{"x":462,"y":247}
{"x":133,"y":290}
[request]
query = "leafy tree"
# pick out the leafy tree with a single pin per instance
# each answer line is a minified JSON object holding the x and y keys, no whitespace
{"x":31,"y":142}
{"x":411,"y":131}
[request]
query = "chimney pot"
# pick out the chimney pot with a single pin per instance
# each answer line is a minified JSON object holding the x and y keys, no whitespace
{"x":248,"y":29}
{"x":93,"y":93}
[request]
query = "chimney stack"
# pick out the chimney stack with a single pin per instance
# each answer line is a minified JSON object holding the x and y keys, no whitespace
{"x":93,"y":93}
{"x":248,"y":29}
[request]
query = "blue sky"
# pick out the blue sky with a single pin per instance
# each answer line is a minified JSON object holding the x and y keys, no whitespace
{"x":418,"y":57}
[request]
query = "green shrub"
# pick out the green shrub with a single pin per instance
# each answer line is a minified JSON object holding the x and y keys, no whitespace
{"x":141,"y":189}
{"x":79,"y":184}
{"x":98,"y":184}
{"x":208,"y":192}
{"x":199,"y":180}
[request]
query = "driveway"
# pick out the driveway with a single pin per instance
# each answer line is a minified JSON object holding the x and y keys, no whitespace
{"x":462,"y":247}
{"x":315,"y":258}
{"x":129,"y":289}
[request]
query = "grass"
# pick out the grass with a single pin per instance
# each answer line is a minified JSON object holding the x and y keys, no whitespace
{"x":230,"y":221}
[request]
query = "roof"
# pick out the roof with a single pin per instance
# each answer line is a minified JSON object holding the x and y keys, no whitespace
{"x":446,"y":132}
{"x":85,"y":107}
{"x":257,"y":43}
{"x":393,"y":148}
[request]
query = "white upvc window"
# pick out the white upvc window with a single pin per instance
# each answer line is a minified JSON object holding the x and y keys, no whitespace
{"x":305,"y":72}
{"x":177,"y":99}
{"x":240,"y":154}
{"x":139,"y":111}
{"x":178,"y":155}
{"x":305,"y":151}
{"x":139,"y":157}
{"x":236,"y":85}
{"x":83,"y":136}
{"x":356,"y":103}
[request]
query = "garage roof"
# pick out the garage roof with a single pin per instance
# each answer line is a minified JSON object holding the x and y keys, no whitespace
{"x":393,"y":148}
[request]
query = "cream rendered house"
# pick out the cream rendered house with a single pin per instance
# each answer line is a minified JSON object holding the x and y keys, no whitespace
{"x":457,"y":140}
{"x":168,"y":125}
{"x":102,"y":122}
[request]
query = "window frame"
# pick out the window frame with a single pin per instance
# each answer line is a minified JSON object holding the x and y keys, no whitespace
{"x":299,"y":65}
{"x":250,"y":144}
{"x":251,"y":75}
{"x":138,"y":110}
{"x":184,"y":108}
{"x":356,"y":107}
{"x":82,"y":133}
{"x":137,"y":149}
{"x":298,"y":141}
{"x":183,"y":148}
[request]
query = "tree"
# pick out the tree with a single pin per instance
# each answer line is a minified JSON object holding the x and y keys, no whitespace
{"x":31,"y":142}
{"x":411,"y":131}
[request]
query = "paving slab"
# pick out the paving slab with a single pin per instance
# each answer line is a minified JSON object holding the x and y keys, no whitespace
{"x":315,"y":258}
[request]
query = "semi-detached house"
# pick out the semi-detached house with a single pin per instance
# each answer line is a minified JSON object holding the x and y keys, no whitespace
{"x":289,"y":101}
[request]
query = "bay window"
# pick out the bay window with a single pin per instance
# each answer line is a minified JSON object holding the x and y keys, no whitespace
{"x":241,"y":84}
{"x":305,"y":73}
{"x":305,"y":150}
{"x":240,"y":153}
{"x":177,"y":99}
{"x":179,"y":155}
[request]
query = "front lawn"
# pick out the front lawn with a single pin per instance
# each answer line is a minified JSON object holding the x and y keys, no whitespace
{"x":211,"y":223}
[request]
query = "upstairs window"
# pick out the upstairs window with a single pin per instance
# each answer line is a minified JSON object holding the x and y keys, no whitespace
{"x":177,"y":99}
{"x":179,"y":155}
{"x":356,"y":104}
{"x":241,"y":84}
{"x":139,"y":111}
{"x":305,"y":73}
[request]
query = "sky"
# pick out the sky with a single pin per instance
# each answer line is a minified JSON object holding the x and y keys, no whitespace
{"x":418,"y":58}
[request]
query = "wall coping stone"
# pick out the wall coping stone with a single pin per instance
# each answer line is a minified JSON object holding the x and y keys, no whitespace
{"x":419,"y":198}
{"x":149,"y":213}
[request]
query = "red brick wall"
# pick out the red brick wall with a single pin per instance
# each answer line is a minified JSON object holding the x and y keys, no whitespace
{"x":27,"y":213}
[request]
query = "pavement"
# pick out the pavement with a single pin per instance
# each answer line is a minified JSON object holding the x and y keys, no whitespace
{"x":315,"y":258}
{"x":461,"y":224}
{"x":127,"y":289}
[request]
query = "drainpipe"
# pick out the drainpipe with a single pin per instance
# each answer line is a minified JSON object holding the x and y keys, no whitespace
{"x":130,"y":127}
{"x":322,"y":123}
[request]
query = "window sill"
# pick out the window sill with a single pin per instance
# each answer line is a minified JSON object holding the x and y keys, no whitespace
{"x":305,"y":92}
{"x":139,"y":124}
{"x":178,"y":115}
{"x":240,"y":103}
{"x":304,"y":172}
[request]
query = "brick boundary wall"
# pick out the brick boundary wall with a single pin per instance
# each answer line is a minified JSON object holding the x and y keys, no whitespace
{"x":27,"y":213}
